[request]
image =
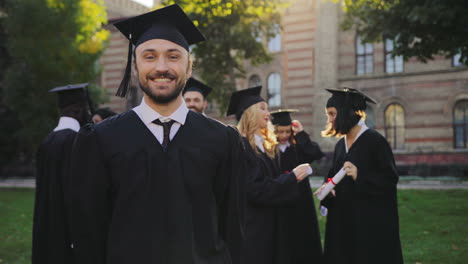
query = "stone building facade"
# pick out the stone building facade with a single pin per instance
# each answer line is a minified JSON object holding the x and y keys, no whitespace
{"x":422,"y":108}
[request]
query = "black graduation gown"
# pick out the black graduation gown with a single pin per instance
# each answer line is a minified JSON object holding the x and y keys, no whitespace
{"x":133,"y":202}
{"x":268,"y":194}
{"x":362,"y":222}
{"x":51,"y":239}
{"x":304,"y":234}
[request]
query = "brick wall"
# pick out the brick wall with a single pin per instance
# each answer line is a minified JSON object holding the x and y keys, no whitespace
{"x":316,"y":55}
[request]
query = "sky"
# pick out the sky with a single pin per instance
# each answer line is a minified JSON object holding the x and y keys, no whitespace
{"x":148,"y":3}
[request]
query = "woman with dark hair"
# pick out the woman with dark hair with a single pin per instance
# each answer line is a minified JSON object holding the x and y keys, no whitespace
{"x":295,"y":148}
{"x":101,"y":114}
{"x":269,"y":192}
{"x":362,"y":221}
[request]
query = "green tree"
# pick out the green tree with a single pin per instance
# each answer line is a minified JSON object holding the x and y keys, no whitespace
{"x":233,"y":29}
{"x":50,"y":43}
{"x":9,"y":123}
{"x":420,"y":28}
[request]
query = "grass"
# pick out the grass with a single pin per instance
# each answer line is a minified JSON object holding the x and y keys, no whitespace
{"x":16,"y":212}
{"x":432,"y":222}
{"x":433,"y":226}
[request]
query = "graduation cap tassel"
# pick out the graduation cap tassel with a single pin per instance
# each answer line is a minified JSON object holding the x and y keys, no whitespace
{"x":123,"y":87}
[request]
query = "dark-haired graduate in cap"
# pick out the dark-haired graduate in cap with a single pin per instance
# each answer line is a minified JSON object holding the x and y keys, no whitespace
{"x":159,"y":183}
{"x":101,"y":114}
{"x":269,"y":191}
{"x":195,"y":94}
{"x":362,"y":221}
{"x":296,"y":148}
{"x":51,"y":238}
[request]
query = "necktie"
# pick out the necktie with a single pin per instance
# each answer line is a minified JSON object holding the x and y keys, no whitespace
{"x":167,"y":129}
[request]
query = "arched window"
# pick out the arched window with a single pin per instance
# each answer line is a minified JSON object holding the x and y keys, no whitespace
{"x":395,"y":125}
{"x":274,"y":44}
{"x":370,"y":117}
{"x":254,"y":80}
{"x":460,"y":124}
{"x":274,"y":90}
{"x":364,"y":57}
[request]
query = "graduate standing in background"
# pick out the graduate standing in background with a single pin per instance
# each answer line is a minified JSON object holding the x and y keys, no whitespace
{"x":195,"y":93}
{"x":102,"y":114}
{"x":51,"y":238}
{"x":159,"y":183}
{"x":362,"y":221}
{"x":296,"y":148}
{"x":269,"y":191}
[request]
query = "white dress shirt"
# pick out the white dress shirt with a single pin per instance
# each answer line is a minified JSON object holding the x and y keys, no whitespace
{"x":66,"y":122}
{"x":259,"y":142}
{"x":284,"y":146}
{"x":363,"y":129}
{"x":148,"y":115}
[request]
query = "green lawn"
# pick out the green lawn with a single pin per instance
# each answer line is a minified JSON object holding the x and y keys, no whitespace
{"x":16,"y":212}
{"x":433,"y":226}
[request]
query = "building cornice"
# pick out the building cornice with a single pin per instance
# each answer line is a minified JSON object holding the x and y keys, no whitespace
{"x":401,"y":74}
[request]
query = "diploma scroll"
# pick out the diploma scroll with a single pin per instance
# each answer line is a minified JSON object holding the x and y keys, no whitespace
{"x":331,"y":184}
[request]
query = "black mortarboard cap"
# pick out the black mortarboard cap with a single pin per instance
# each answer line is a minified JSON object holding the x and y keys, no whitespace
{"x":71,"y":94}
{"x":197,"y":86}
{"x":349,"y":98}
{"x":282,"y":117}
{"x":241,"y":100}
{"x":169,"y":23}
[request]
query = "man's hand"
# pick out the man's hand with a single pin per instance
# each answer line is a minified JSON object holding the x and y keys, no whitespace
{"x":350,"y":170}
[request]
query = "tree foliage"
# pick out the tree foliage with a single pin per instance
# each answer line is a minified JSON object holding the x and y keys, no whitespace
{"x":420,"y":28}
{"x":233,"y":29}
{"x":51,"y":43}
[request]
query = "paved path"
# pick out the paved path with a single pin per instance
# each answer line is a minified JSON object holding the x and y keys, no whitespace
{"x":314,"y":182}
{"x":418,"y":184}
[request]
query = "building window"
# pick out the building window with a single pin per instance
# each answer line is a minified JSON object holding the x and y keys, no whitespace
{"x":456,"y":60}
{"x":395,"y":125}
{"x":274,"y":90}
{"x":364,"y":57}
{"x":254,"y":81}
{"x":460,"y":124}
{"x":370,"y":118}
{"x":392,"y":64}
{"x":274,"y":44}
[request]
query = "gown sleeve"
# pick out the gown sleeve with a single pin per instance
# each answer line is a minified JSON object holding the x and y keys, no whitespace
{"x":233,"y":208}
{"x":307,"y":150}
{"x":268,"y":190}
{"x":90,"y":199}
{"x":381,"y":177}
{"x":39,"y":207}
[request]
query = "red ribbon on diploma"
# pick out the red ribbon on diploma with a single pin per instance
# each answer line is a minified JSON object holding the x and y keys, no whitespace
{"x":331,"y":180}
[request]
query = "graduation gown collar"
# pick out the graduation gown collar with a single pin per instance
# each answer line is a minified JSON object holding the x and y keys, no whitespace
{"x":259,"y":142}
{"x":66,"y":122}
{"x":148,"y":114}
{"x":363,"y":129}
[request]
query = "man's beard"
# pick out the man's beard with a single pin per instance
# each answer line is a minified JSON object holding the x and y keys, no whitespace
{"x":196,"y":109}
{"x":163,"y":99}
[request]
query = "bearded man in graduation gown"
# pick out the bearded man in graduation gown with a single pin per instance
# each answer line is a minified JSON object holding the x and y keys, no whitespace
{"x":195,"y":93}
{"x":159,"y":183}
{"x":51,"y":238}
{"x":362,"y":221}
